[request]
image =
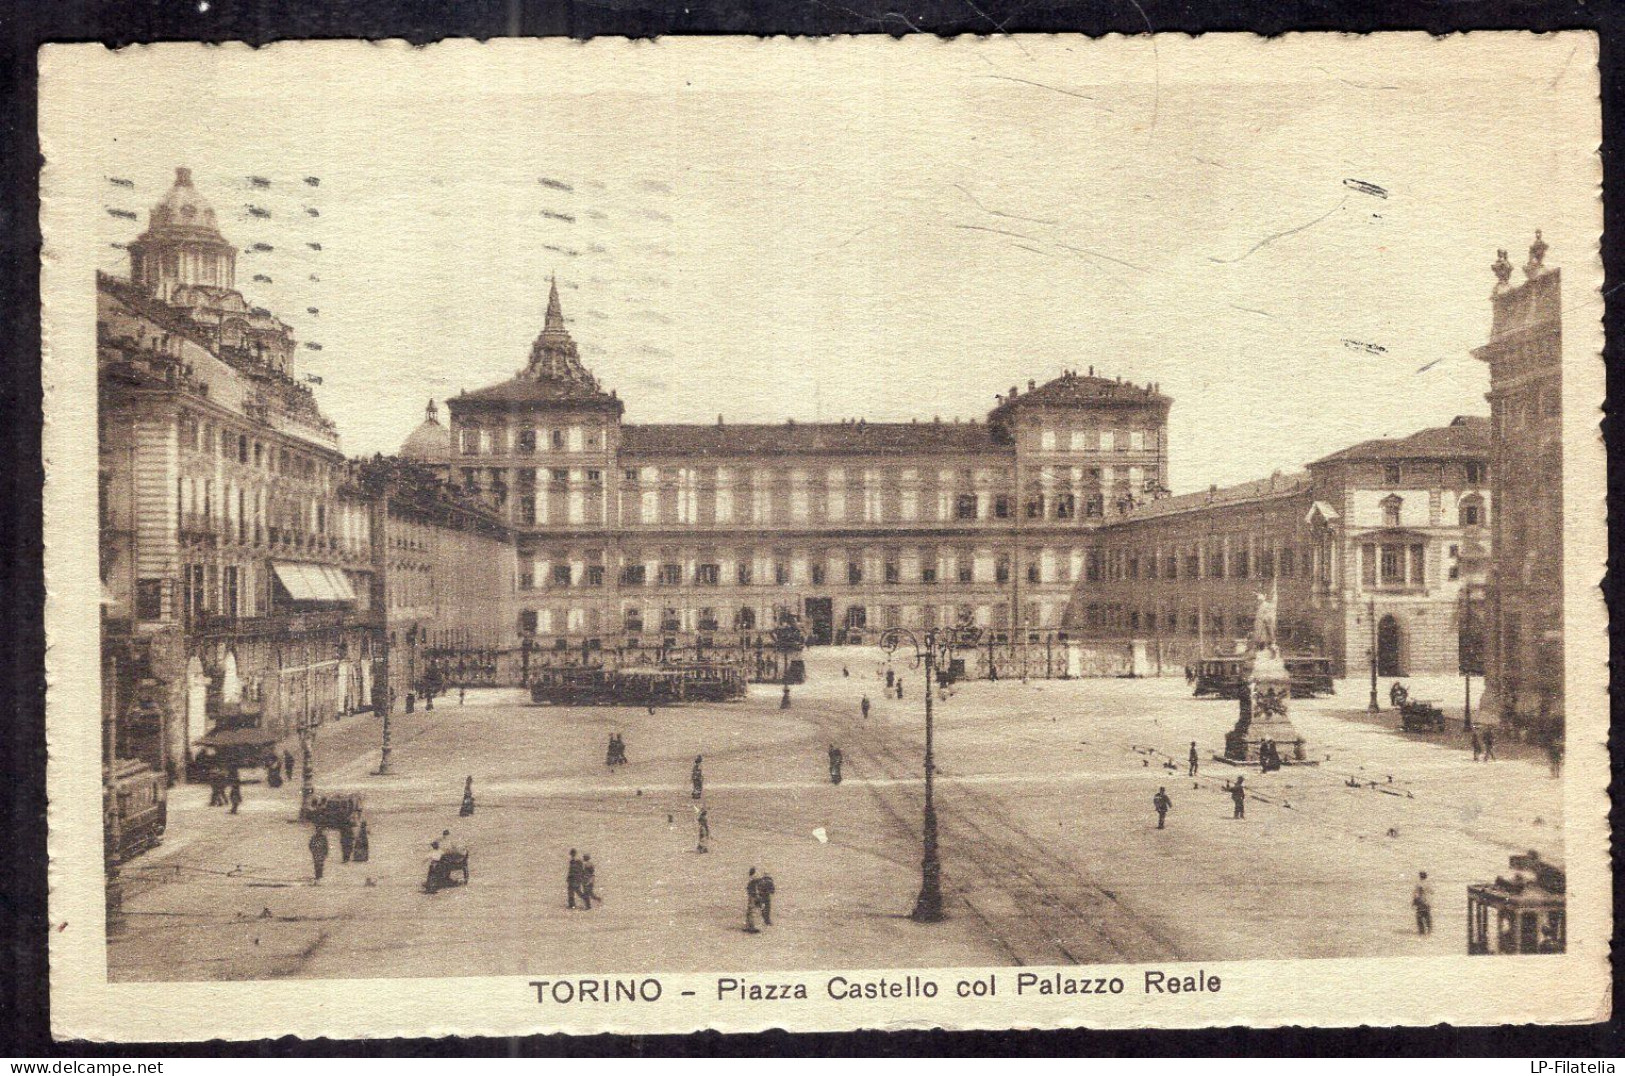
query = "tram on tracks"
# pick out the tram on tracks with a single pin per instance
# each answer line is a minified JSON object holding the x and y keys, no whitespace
{"x":135,"y":810}
{"x":1225,"y":677}
{"x":663,"y":685}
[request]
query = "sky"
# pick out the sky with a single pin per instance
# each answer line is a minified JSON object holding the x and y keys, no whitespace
{"x":1292,"y":237}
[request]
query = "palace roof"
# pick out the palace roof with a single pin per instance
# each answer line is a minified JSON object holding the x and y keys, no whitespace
{"x":1466,"y":438}
{"x":818,"y":438}
{"x":1073,"y":389}
{"x":1277,"y":485}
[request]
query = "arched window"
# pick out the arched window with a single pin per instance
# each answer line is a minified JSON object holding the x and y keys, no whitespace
{"x":1390,"y":510}
{"x":745,"y":619}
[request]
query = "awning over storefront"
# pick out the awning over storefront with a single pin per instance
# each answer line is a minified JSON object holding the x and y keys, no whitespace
{"x":342,"y":591}
{"x":313,"y":582}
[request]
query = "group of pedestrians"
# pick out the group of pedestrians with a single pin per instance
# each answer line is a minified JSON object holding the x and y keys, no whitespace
{"x":1484,"y":746}
{"x":355,"y":846}
{"x":226,"y":789}
{"x":582,"y":880}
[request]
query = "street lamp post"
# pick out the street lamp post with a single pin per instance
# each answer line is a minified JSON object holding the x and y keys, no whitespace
{"x":1372,"y":614}
{"x":928,"y":905}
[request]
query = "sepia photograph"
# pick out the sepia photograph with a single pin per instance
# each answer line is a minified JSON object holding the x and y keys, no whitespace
{"x":755,"y":533}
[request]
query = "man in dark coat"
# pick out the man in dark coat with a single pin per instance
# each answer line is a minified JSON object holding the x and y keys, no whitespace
{"x":1489,"y":743}
{"x":696,"y":778}
{"x":1238,"y":797}
{"x":864,"y":706}
{"x":1193,"y":759}
{"x":573,"y":878}
{"x":764,"y":897}
{"x":589,"y":876}
{"x":287,"y":764}
{"x":318,"y":852}
{"x":346,"y":840}
{"x":1161,"y":802}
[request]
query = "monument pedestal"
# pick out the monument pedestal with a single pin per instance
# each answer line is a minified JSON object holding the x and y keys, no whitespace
{"x":1264,"y":715}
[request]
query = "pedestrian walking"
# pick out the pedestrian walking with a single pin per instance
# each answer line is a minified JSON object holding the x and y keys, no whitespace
{"x":468,"y":797}
{"x":287,"y":764}
{"x":1422,"y":902}
{"x":589,"y":874}
{"x":784,"y":700}
{"x":1478,"y":748}
{"x":1238,"y":797}
{"x":899,"y":687}
{"x":236,"y":792}
{"x":1489,"y":744}
{"x":891,"y":678}
{"x":363,"y":847}
{"x":573,"y":880}
{"x":697,"y":778}
{"x":1162,"y":803}
{"x":318,"y":853}
{"x":609,"y":752}
{"x":864,"y":706}
{"x":764,"y":895}
{"x":346,"y":841}
{"x":705,"y":832}
{"x":1194,"y":760}
{"x":835,"y":759}
{"x":462,"y":695}
{"x":217,"y":790}
{"x":844,"y":672}
{"x":273,"y":774}
{"x":751,"y":899}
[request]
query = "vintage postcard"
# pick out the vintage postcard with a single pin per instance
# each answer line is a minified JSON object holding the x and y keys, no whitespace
{"x":860,"y":533}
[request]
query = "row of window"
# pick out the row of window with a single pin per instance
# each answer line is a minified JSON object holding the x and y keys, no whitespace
{"x":1115,"y":565}
{"x":240,"y":447}
{"x":634,"y":620}
{"x":1474,"y":472}
{"x":1049,"y":439}
{"x":474,"y":441}
{"x":671,"y":574}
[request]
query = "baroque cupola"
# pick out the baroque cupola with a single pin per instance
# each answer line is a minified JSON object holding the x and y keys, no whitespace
{"x":182,"y":245}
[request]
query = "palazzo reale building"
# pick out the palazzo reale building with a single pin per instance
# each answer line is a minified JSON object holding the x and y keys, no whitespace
{"x":666,"y":538}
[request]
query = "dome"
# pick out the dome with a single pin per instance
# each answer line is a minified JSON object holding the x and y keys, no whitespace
{"x":183,"y":208}
{"x":430,"y":442}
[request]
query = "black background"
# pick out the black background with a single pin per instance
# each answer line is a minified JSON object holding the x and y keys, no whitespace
{"x":24,"y":1001}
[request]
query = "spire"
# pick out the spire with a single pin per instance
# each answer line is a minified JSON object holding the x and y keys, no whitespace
{"x":431,"y":413}
{"x":555,"y":313}
{"x":553,"y":357}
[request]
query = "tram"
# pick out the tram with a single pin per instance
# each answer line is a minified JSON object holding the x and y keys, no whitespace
{"x":1226,"y":677}
{"x":1526,"y":911}
{"x":654,"y":686}
{"x":135,"y":810}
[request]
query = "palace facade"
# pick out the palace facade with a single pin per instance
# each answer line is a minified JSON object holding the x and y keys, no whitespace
{"x":677,"y":538}
{"x":251,"y":575}
{"x":1524,"y":353}
{"x":1381,"y":547}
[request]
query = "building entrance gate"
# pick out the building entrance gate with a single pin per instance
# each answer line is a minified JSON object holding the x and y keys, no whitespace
{"x":1389,"y":647}
{"x":820,"y":621}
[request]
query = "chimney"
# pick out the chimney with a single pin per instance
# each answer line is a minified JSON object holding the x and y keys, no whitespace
{"x":1031,"y":384}
{"x":1013,"y":390}
{"x":183,"y":177}
{"x":1091,"y":371}
{"x":719,"y":420}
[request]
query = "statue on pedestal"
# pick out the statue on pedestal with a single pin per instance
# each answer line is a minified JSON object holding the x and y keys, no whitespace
{"x":1264,"y":728}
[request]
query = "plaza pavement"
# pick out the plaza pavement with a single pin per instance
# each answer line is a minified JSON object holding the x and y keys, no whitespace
{"x":1050,"y":849}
